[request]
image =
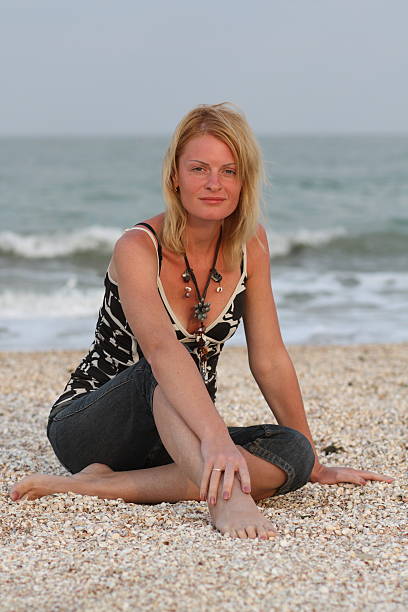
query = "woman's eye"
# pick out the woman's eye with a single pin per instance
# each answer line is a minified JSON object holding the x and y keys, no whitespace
{"x":198,"y":169}
{"x":230,"y":171}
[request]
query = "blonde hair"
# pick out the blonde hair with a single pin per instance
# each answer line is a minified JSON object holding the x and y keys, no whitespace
{"x":231,"y":127}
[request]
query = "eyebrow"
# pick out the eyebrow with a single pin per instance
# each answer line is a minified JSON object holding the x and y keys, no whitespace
{"x":205,"y":163}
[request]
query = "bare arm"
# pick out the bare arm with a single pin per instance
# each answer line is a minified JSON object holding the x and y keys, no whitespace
{"x":269,"y":360}
{"x":271,"y":365}
{"x":135,"y":263}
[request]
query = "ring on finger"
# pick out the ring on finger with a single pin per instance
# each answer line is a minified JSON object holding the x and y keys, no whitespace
{"x":217,"y":470}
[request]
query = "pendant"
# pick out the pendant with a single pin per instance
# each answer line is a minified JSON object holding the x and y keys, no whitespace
{"x":201,"y":309}
{"x":204,"y":371}
{"x":199,"y":336}
{"x":187,"y":292}
{"x":202,"y":351}
{"x":186,"y":276}
{"x":216,"y":276}
{"x":219,"y":289}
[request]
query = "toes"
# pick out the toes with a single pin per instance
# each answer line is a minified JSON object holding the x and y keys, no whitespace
{"x":14,"y":494}
{"x":251,"y":532}
{"x":228,"y":533}
{"x":270,"y":526}
{"x":242,"y":534}
{"x":271,"y":533}
{"x":25,"y":497}
{"x":26,"y":489}
{"x":18,"y":492}
{"x":262,"y":533}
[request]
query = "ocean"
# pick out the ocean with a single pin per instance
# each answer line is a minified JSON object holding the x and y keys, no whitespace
{"x":335,"y":208}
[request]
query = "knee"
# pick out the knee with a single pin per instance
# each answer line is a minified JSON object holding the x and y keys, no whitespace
{"x":301,"y":458}
{"x":286,"y":448}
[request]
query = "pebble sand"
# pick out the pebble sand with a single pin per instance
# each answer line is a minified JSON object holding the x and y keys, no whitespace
{"x":339,"y":547}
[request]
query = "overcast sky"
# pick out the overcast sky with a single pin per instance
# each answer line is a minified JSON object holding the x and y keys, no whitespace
{"x":136,"y":66}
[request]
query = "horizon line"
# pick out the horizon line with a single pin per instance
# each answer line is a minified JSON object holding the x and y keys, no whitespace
{"x":43,"y":135}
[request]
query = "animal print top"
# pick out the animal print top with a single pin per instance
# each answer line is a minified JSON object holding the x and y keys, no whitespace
{"x":116,"y":348}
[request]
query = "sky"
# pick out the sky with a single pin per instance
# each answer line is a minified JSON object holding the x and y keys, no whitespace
{"x":125,"y":67}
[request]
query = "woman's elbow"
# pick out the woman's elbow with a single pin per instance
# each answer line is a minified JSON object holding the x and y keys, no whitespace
{"x":157,"y":348}
{"x":264,"y":367}
{"x":260,"y":370}
{"x":163,"y":352}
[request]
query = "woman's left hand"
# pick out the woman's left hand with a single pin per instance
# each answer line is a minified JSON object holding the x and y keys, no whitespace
{"x":324,"y":474}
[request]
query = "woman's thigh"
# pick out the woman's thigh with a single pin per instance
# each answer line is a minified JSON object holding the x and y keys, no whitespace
{"x":113,"y":424}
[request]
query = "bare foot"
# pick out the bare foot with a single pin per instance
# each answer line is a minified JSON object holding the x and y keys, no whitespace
{"x":38,"y":485}
{"x":239,"y":516}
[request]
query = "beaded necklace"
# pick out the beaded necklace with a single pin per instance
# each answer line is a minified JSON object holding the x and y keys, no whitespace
{"x":202,"y":307}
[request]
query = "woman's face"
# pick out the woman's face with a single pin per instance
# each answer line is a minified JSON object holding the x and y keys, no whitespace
{"x":207,"y":178}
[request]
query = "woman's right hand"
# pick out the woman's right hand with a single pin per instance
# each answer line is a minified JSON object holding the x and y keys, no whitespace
{"x":222,"y":453}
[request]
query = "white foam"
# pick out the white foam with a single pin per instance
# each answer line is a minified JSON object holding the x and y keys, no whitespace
{"x":67,"y":302}
{"x":340,"y":307}
{"x":377,"y":289}
{"x":281,"y":244}
{"x":315,"y":308}
{"x":33,"y":246}
{"x":102,"y":239}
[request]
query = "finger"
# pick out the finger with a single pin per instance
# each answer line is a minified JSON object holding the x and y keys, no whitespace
{"x":374,"y":476}
{"x":351,"y":476}
{"x":228,"y":482}
{"x":245,"y":478}
{"x":213,"y":488}
{"x":205,"y":481}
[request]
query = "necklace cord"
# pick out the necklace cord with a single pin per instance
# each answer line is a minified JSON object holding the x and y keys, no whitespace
{"x":200,"y":297}
{"x":201,"y":310}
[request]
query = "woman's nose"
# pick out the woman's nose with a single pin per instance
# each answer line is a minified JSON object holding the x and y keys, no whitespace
{"x":213,"y":181}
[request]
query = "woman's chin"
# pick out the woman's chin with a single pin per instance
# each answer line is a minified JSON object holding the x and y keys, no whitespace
{"x":212,"y":214}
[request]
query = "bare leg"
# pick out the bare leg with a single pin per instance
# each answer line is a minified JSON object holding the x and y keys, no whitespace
{"x":165,"y":483}
{"x":238,"y":516}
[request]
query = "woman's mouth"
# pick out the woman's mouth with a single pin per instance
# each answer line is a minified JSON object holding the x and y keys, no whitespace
{"x":213,"y":200}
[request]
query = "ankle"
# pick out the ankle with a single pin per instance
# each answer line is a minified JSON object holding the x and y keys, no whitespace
{"x":236,"y":494}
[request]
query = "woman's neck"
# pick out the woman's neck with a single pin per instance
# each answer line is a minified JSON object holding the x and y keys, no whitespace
{"x":200,"y":238}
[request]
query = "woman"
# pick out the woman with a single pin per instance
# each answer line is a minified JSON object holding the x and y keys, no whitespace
{"x":137,"y":419}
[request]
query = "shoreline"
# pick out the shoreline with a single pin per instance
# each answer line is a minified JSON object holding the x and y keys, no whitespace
{"x":98,"y":554}
{"x":229,"y":346}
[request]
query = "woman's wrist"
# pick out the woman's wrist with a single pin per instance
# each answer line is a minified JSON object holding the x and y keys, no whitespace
{"x":219,"y":433}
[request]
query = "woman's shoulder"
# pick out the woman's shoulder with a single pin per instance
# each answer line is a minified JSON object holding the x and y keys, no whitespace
{"x":136,"y":242}
{"x":156,"y":223}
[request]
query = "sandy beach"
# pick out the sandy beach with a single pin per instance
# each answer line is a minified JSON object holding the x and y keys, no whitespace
{"x":339,"y":547}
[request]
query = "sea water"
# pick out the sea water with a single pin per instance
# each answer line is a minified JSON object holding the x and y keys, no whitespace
{"x":335,"y":209}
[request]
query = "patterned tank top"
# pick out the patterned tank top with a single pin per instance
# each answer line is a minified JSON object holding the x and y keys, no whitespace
{"x":115,"y":347}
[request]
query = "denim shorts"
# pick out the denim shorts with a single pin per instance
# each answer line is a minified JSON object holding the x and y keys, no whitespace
{"x":114,"y":425}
